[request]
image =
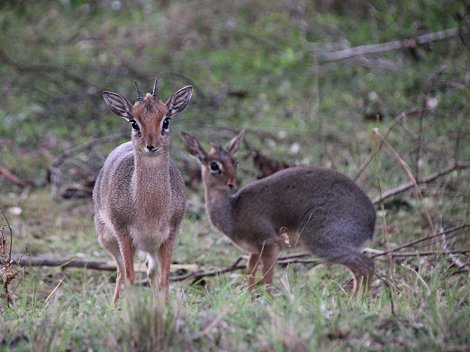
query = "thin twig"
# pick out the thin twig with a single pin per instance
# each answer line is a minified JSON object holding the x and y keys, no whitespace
{"x":366,"y":163}
{"x":10,"y":230}
{"x":404,"y":165}
{"x":428,"y":253}
{"x":451,"y":253}
{"x":409,"y":173}
{"x":378,"y":142}
{"x":423,"y":239}
{"x":53,"y":292}
{"x":462,"y":165}
{"x":420,"y":136}
{"x":253,"y":273}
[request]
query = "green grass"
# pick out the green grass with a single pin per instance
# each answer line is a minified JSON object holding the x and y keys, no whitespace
{"x":305,"y":313}
{"x":58,"y":56}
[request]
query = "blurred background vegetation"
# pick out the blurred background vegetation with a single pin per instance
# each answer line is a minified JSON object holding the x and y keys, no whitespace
{"x":254,"y":64}
{"x":262,"y":65}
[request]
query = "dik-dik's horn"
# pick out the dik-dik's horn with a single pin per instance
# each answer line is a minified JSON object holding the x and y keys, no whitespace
{"x":140,"y":96}
{"x":155,"y":89}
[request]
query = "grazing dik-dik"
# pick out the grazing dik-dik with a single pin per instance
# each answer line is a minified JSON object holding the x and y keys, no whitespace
{"x":139,"y":194}
{"x":313,"y":207}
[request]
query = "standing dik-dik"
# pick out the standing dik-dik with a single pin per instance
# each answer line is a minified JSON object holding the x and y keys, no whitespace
{"x":317,"y":208}
{"x":139,"y":194}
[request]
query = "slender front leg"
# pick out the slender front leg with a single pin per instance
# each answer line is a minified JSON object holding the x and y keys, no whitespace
{"x":119,"y":280}
{"x":269,"y":256}
{"x":127,"y":253}
{"x":108,"y":240}
{"x":252,"y":265}
{"x":165,"y":253}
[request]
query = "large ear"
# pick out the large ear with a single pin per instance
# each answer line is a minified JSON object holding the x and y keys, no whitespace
{"x":179,"y":100}
{"x":119,"y":105}
{"x":233,"y":146}
{"x":193,"y":147}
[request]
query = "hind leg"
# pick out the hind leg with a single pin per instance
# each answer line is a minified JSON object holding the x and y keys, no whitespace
{"x":339,"y":243}
{"x":110,"y":243}
{"x":362,"y":268}
{"x":359,"y":264}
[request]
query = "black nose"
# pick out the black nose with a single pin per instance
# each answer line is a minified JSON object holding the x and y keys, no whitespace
{"x":230,"y":185}
{"x":151,"y":148}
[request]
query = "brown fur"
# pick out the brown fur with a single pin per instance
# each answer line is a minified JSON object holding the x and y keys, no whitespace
{"x":317,"y":208}
{"x":139,"y":195}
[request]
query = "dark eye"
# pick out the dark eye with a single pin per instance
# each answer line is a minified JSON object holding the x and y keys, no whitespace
{"x":214,"y":166}
{"x":165,"y":125}
{"x":134,"y":125}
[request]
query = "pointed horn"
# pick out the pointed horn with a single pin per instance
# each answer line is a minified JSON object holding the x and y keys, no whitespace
{"x":140,"y":96}
{"x":155,"y":89}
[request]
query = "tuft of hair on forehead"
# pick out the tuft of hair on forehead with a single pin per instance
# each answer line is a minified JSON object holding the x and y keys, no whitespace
{"x":149,"y":105}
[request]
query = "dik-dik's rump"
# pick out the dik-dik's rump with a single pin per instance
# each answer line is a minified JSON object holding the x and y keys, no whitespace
{"x":317,"y":208}
{"x":139,"y":194}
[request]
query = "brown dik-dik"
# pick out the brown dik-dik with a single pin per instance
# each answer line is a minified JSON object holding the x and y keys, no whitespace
{"x":139,"y":195}
{"x":313,"y":207}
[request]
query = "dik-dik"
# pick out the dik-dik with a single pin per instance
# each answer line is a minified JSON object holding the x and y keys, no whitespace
{"x":317,"y":208}
{"x":139,"y":194}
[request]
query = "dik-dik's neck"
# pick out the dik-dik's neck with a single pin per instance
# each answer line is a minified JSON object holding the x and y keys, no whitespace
{"x":219,"y":206}
{"x":151,"y":180}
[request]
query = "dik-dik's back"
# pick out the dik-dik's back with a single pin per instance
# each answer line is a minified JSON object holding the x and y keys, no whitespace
{"x":139,"y":194}
{"x":326,"y":202}
{"x":318,"y":208}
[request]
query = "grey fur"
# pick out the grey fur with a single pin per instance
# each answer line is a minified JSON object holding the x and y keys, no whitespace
{"x":320,"y":209}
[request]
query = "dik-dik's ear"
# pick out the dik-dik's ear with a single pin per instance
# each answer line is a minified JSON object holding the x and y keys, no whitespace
{"x":119,"y":105}
{"x":179,"y":100}
{"x":233,"y":146}
{"x":193,"y":147}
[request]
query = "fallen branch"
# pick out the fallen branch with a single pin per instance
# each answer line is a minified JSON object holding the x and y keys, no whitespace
{"x":14,"y":179}
{"x":408,"y":43}
{"x":102,"y":265}
{"x":406,"y":186}
{"x":199,"y":275}
{"x":194,"y":274}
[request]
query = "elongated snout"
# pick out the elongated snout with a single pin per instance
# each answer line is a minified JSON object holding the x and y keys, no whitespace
{"x":232,"y":183}
{"x":152,"y":144}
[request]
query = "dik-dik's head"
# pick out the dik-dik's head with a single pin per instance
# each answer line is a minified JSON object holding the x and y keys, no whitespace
{"x":219,"y":166}
{"x":149,"y":116}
